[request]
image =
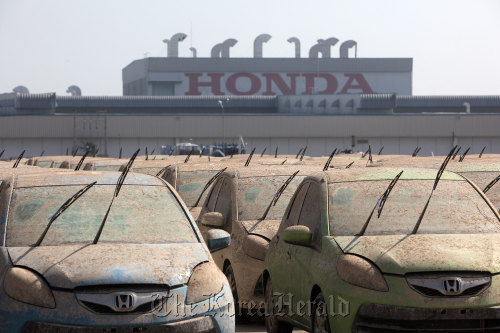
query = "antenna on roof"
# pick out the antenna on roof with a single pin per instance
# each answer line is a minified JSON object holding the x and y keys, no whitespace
{"x":18,"y":159}
{"x":463,"y":156}
{"x":250,"y":157}
{"x":263,"y":152}
{"x":482,"y":151}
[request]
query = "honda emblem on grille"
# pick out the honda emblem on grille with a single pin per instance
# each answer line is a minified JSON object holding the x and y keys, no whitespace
{"x":124,"y":301}
{"x":453,"y":286}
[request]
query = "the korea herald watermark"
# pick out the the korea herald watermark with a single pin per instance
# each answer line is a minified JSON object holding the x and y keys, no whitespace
{"x":284,"y":305}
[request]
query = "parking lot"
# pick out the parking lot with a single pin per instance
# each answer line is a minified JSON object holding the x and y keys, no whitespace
{"x":164,"y":227}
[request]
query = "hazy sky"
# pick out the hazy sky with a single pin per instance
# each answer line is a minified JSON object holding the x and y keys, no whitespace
{"x":52,"y":44}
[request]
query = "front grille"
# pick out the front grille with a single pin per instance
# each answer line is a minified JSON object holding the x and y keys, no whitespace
{"x":374,"y":318}
{"x":103,"y":309}
{"x":449,"y":284}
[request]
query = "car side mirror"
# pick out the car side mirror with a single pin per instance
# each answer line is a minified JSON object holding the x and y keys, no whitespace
{"x":298,"y":235}
{"x":213,"y":219}
{"x":217,"y":239}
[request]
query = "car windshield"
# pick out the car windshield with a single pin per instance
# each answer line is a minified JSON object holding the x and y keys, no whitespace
{"x":191,"y":183}
{"x":255,"y":194}
{"x":455,"y":208}
{"x":152,"y":171}
{"x":140,"y":214}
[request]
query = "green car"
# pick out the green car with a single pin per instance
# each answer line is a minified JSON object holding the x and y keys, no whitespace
{"x":377,"y":250}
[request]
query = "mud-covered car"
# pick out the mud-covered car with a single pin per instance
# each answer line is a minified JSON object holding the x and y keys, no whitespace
{"x":377,"y":250}
{"x":76,"y":256}
{"x":248,"y":204}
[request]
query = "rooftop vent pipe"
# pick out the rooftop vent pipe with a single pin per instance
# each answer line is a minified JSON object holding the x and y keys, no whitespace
{"x":345,"y":46}
{"x":257,"y":44}
{"x":221,"y":50}
{"x":173,"y":44}
{"x":324,"y":47}
{"x":193,"y":50}
{"x":74,"y":91}
{"x":296,"y":41}
{"x":21,"y":90}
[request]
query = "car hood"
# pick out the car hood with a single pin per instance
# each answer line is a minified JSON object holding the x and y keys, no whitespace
{"x":400,"y":254}
{"x":265,"y":228}
{"x":70,"y":266}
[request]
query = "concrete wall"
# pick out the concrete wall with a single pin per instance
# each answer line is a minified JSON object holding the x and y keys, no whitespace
{"x":399,"y":134}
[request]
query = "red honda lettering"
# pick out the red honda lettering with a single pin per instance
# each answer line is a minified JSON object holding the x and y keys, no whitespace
{"x":331,"y":83}
{"x":358,"y":82}
{"x":254,"y":84}
{"x":195,"y":84}
{"x":280,"y":83}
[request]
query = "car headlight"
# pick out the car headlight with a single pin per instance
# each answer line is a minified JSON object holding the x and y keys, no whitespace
{"x":205,"y":282}
{"x":27,"y":287}
{"x":360,"y":272}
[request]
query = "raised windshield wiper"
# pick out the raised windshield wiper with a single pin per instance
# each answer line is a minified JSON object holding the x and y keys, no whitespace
{"x":490,"y":185}
{"x":41,"y":154}
{"x":275,"y":153}
{"x":438,"y":177}
{"x":480,"y":155}
{"x":18,"y":159}
{"x":456,"y":152}
{"x":61,"y":210}
{"x":303,"y":153}
{"x":189,"y":155}
{"x":276,"y":197}
{"x":461,"y":159}
{"x":147,"y":156}
{"x":118,"y":187}
{"x":207,"y":185}
{"x":380,"y":203}
{"x":349,"y":165}
{"x":262,"y":154}
{"x":120,"y":154}
{"x":283,"y":162}
{"x":300,"y":151}
{"x":250,"y":157}
{"x":327,"y":164}
{"x":1,"y":153}
{"x":380,"y":151}
{"x":163,"y":170}
{"x":79,"y":165}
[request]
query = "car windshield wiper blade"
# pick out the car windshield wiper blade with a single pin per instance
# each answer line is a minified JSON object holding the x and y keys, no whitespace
{"x":189,"y":155}
{"x":1,"y":153}
{"x":61,"y":210}
{"x":250,"y":157}
{"x":276,"y":197}
{"x":380,"y":151}
{"x":349,"y":165}
{"x":438,"y":177}
{"x":380,"y":203}
{"x":456,"y":152}
{"x":207,"y":185}
{"x":79,"y":165}
{"x":18,"y":159}
{"x":490,"y":185}
{"x":118,"y":187}
{"x":303,"y":153}
{"x":480,"y":155}
{"x":262,"y":154}
{"x":283,"y":162}
{"x":163,"y":170}
{"x":327,"y":164}
{"x":461,"y":159}
{"x":275,"y":153}
{"x":300,"y":151}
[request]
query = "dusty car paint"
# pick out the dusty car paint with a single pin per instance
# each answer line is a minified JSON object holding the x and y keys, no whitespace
{"x":85,"y":268}
{"x":393,"y":257}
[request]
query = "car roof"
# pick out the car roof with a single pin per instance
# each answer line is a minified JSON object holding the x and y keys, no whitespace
{"x":272,"y":170}
{"x":58,"y":178}
{"x":386,"y":173}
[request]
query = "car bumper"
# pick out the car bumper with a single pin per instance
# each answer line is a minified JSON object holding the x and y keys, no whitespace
{"x":201,"y":324}
{"x":215,"y":314}
{"x":387,"y":318}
